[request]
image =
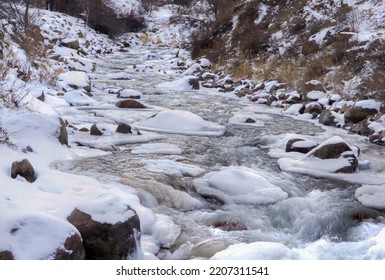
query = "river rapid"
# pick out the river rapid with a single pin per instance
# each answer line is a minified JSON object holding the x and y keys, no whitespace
{"x":316,"y":218}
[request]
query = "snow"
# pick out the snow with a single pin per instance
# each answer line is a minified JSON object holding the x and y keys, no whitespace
{"x":181,"y":84}
{"x":77,"y":79}
{"x":165,"y":231}
{"x":78,"y":98}
{"x":369,"y":104}
{"x":256,"y":251}
{"x":129,"y":93}
{"x":180,"y":122}
{"x":316,"y":95}
{"x":372,"y":196}
{"x":240,"y":185}
{"x":157,"y":148}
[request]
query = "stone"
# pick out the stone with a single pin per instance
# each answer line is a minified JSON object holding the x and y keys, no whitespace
{"x":124,"y":128}
{"x":362,"y":128}
{"x":310,"y":47}
{"x":41,"y":97}
{"x":337,"y":150}
{"x":300,"y":146}
{"x":356,"y":114}
{"x":129,"y":103}
{"x":84,"y":129}
{"x":6,"y":255}
{"x":63,"y":134}
{"x":71,"y":43}
{"x":106,"y":241}
{"x":95,"y":130}
{"x":314,"y":85}
{"x":24,"y":169}
{"x":73,"y":249}
{"x":194,"y":83}
{"x":326,"y":118}
{"x":250,"y":120}
{"x":313,"y":108}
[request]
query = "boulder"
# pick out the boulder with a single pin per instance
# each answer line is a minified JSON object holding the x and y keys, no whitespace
{"x":313,"y":108}
{"x":129,"y":103}
{"x":25,"y":169}
{"x":326,"y":118}
{"x":72,"y":249}
{"x":314,"y":85}
{"x":71,"y":43}
{"x":356,"y":114}
{"x":63,"y":134}
{"x":105,"y":241}
{"x":362,"y":128}
{"x":250,"y":120}
{"x":300,"y":146}
{"x":194,"y":83}
{"x":95,"y":130}
{"x":124,"y":128}
{"x":310,"y":47}
{"x":336,"y":148}
{"x":6,"y":255}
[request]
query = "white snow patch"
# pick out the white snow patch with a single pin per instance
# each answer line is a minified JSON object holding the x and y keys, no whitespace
{"x":180,"y":122}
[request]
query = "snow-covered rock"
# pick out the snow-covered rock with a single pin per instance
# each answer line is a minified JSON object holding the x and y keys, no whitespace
{"x":239,"y":185}
{"x":180,"y":122}
{"x":76,"y":80}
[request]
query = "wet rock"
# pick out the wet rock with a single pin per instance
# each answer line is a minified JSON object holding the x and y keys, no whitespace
{"x":230,"y":226}
{"x":326,"y":118}
{"x":300,"y":146}
{"x":194,"y":83}
{"x":106,"y":241}
{"x":124,"y":128}
{"x":250,"y":120}
{"x":84,"y":129}
{"x":72,"y":249}
{"x":356,"y":114}
{"x":335,"y":149}
{"x":130,"y":103}
{"x":24,"y":169}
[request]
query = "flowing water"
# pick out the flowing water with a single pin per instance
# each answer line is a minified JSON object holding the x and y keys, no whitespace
{"x":315,"y":210}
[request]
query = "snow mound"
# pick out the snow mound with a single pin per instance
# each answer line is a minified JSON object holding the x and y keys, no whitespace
{"x":181,"y":122}
{"x":180,"y":84}
{"x":78,"y":79}
{"x":33,"y":235}
{"x":371,"y":196}
{"x":78,"y":98}
{"x":240,"y":185}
